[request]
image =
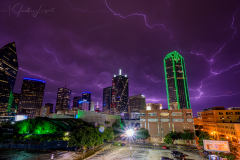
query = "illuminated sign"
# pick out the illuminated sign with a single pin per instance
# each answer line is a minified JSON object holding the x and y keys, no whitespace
{"x":216,"y":146}
{"x":20,"y":117}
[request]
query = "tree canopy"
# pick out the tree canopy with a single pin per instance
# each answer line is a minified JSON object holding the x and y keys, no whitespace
{"x":141,"y":133}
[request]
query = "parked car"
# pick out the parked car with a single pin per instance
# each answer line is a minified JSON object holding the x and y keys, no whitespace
{"x":164,"y":147}
{"x":179,"y":155}
{"x":179,"y":158}
{"x":165,"y":158}
{"x":123,"y":144}
{"x":176,"y":152}
{"x":206,"y":152}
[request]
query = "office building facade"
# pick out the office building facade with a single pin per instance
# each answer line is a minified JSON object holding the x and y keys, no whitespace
{"x":86,"y":96}
{"x":120,"y":95}
{"x":136,"y":103}
{"x":50,"y":105}
{"x":153,"y":106}
{"x":63,"y":99}
{"x":176,"y":82}
{"x":8,"y":74}
{"x":107,"y":98}
{"x":222,"y":123}
{"x":76,"y":101}
{"x":160,"y":122}
{"x":45,"y":111}
{"x":31,"y":97}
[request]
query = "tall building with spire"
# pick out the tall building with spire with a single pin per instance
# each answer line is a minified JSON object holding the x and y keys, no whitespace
{"x":63,"y":99}
{"x":176,"y":81}
{"x":119,"y":104}
{"x":8,"y":74}
{"x":31,"y":97}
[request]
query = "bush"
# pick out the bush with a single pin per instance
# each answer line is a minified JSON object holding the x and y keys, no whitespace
{"x":117,"y":143}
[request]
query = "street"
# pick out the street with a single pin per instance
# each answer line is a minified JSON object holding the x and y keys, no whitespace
{"x":123,"y":153}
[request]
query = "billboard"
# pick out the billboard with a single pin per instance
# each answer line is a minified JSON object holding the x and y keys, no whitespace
{"x":216,"y":146}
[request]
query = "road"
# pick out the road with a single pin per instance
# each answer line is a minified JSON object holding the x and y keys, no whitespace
{"x":123,"y":153}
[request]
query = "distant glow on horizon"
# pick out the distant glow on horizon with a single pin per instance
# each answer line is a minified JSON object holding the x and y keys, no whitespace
{"x":114,"y":75}
{"x":125,"y":75}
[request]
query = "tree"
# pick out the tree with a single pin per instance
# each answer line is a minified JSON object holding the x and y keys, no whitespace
{"x":118,"y":127}
{"x":141,"y":133}
{"x":202,"y":136}
{"x":174,"y":135}
{"x":168,"y":139}
{"x":108,"y":134}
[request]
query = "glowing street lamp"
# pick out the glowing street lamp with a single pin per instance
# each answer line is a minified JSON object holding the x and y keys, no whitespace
{"x":130,"y":133}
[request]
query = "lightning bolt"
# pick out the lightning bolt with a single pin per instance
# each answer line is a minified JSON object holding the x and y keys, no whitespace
{"x":37,"y":75}
{"x":59,"y":62}
{"x":152,"y":78}
{"x":47,"y":65}
{"x":171,"y":37}
{"x":85,"y":10}
{"x":212,"y":59}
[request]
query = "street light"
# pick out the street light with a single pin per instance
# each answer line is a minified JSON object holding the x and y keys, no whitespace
{"x":130,"y":133}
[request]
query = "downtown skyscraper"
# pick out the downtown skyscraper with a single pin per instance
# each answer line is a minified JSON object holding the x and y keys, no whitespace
{"x":107,"y":99}
{"x":63,"y":99}
{"x":31,"y":97}
{"x":76,"y":101}
{"x":86,"y":96}
{"x":8,"y":73}
{"x":119,"y":105}
{"x":176,"y":81}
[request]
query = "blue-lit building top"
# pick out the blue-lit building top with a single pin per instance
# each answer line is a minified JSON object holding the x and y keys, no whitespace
{"x":86,"y":96}
{"x":31,"y":97}
{"x":34,"y":80}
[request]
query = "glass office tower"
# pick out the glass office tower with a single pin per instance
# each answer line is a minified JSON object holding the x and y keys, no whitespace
{"x":63,"y":99}
{"x":107,"y":98}
{"x":31,"y":97}
{"x":176,"y":81}
{"x":76,"y":101}
{"x":86,"y":96}
{"x":8,"y":73}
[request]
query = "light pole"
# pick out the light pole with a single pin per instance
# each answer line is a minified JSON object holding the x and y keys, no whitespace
{"x":130,"y":133}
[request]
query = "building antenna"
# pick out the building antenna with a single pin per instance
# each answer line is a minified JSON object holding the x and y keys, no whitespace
{"x":120,"y":71}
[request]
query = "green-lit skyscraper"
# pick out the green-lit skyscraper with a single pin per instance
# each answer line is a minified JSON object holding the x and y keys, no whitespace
{"x":176,"y":81}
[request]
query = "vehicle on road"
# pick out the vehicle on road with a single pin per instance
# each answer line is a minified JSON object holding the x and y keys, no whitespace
{"x":123,"y":144}
{"x":176,"y":152}
{"x":164,"y":147}
{"x":179,"y":156}
{"x":165,"y":158}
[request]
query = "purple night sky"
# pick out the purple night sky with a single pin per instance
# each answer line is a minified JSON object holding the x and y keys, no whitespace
{"x":83,"y":43}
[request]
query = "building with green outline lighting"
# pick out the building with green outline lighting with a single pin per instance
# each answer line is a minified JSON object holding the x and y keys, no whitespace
{"x":176,"y":81}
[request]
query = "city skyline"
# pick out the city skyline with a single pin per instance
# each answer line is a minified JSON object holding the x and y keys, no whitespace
{"x":85,"y":53}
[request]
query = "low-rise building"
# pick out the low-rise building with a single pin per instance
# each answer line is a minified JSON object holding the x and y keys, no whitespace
{"x":160,"y":122}
{"x":44,"y":111}
{"x":220,"y":123}
{"x":92,"y":117}
{"x":154,"y":106}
